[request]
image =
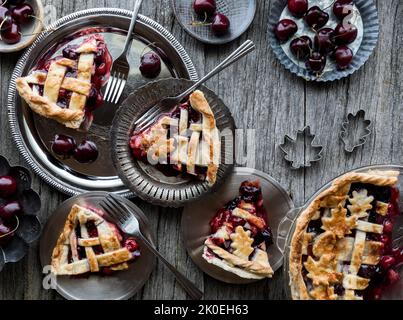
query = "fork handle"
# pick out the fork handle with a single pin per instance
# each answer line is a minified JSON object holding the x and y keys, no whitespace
{"x":136,"y":9}
{"x":247,"y":47}
{"x":189,"y":287}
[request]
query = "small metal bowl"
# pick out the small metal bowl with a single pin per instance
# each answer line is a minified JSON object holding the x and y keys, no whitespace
{"x":146,"y":181}
{"x":16,"y":246}
{"x":29,"y":31}
{"x":363,"y":46}
{"x":240,"y":13}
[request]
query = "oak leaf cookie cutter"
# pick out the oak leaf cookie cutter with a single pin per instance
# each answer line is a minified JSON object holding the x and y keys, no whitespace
{"x":355,"y":131}
{"x":301,"y":152}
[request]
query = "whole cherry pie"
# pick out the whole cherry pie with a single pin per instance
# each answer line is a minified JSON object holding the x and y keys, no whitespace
{"x":342,"y":245}
{"x":240,"y":235}
{"x":186,"y":140}
{"x":91,"y":244}
{"x":68,"y":87}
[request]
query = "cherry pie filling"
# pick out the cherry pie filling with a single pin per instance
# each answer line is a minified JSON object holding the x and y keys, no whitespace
{"x":250,"y":196}
{"x":102,"y":65}
{"x":385,"y":272}
{"x":92,"y":230}
{"x":169,"y":169}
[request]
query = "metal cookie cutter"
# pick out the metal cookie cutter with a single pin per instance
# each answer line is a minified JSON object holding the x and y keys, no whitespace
{"x":355,"y":131}
{"x":301,"y":152}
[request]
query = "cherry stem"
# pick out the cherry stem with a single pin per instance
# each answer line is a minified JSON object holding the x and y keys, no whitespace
{"x":36,"y":18}
{"x":12,"y":231}
{"x":330,"y":5}
{"x":200,"y":23}
{"x":153,"y":44}
{"x":4,"y":3}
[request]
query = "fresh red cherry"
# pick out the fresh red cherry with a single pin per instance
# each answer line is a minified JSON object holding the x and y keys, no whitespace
{"x":86,"y":152}
{"x":301,"y":47}
{"x":220,"y":24}
{"x":342,"y":9}
{"x":298,"y":7}
{"x":323,"y":41}
{"x":10,"y":210}
{"x":387,"y":262}
{"x":10,"y":31}
{"x":150,"y":65}
{"x":22,"y":13}
{"x":316,"y":62}
{"x":345,"y":33}
{"x":63,"y":145}
{"x":205,"y":7}
{"x":343,"y":56}
{"x":8,"y":186}
{"x":285,"y":29}
{"x":388,"y":226}
{"x":316,"y":18}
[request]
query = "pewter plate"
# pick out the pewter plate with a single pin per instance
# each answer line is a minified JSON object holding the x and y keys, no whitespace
{"x":33,"y":134}
{"x":196,"y":218}
{"x":240,"y":13}
{"x":287,"y":226}
{"x":146,"y":181}
{"x":121,"y":285}
{"x":368,"y":31}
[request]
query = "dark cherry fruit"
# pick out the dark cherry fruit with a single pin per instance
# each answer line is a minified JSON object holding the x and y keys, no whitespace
{"x":63,"y":145}
{"x":343,"y":56}
{"x":301,"y":47}
{"x":10,"y":31}
{"x":298,"y":7}
{"x":323,"y":41}
{"x":205,"y":7}
{"x":316,"y":18}
{"x":220,"y":24}
{"x":342,"y":9}
{"x":8,"y":186}
{"x":86,"y":152}
{"x":150,"y":65}
{"x":316,"y":62}
{"x":345,"y":33}
{"x":22,"y":13}
{"x":131,"y":245}
{"x":285,"y":29}
{"x":10,"y":210}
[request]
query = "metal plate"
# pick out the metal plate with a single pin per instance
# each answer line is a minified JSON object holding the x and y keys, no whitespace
{"x":240,"y":13}
{"x":121,"y":285}
{"x":368,"y":32}
{"x":287,"y":226}
{"x":33,"y":134}
{"x":196,"y":218}
{"x":146,"y":181}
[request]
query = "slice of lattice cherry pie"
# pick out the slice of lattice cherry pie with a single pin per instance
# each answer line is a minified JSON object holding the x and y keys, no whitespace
{"x":186,"y":140}
{"x":342,"y":245}
{"x":240,"y":235}
{"x":91,"y":244}
{"x":68,"y":87}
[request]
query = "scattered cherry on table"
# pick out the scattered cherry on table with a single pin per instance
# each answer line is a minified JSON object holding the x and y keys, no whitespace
{"x":86,"y":152}
{"x":285,"y":29}
{"x":298,"y":8}
{"x":205,"y":7}
{"x":301,"y":47}
{"x":345,"y":33}
{"x":150,"y":65}
{"x":63,"y":145}
{"x":343,"y":56}
{"x":316,"y":18}
{"x":220,"y":24}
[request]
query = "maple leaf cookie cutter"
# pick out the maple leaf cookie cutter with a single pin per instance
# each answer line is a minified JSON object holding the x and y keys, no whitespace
{"x":355,"y":131}
{"x":301,"y":151}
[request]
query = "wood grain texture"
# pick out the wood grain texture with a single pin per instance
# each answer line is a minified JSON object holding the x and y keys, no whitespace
{"x":263,"y":96}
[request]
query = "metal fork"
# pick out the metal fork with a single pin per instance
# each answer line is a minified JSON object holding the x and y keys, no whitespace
{"x":121,"y":68}
{"x":129,"y":224}
{"x":168,"y":103}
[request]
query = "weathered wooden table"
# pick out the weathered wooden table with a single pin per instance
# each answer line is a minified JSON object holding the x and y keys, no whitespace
{"x":263,"y":96}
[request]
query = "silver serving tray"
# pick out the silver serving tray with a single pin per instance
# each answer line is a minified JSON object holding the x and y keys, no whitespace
{"x":33,"y":134}
{"x":144,"y":180}
{"x":118,"y":286}
{"x":196,"y":218}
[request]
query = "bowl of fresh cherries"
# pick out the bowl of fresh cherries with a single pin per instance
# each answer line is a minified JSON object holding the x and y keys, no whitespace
{"x":21,"y":21}
{"x":19,"y":206}
{"x":323,"y":40}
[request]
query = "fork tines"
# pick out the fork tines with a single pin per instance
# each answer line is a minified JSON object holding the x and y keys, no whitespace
{"x":115,"y":87}
{"x":116,"y":210}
